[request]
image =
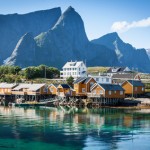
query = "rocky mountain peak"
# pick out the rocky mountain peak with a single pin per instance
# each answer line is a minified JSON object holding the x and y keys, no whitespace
{"x":24,"y":52}
{"x":71,"y":23}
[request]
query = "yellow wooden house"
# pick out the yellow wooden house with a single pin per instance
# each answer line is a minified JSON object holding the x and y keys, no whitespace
{"x":111,"y":91}
{"x":133,"y":87}
{"x":82,"y":85}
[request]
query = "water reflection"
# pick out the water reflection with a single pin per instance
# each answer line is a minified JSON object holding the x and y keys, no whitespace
{"x":73,"y":128}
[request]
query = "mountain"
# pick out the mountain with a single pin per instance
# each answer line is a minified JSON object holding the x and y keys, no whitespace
{"x":24,"y":53}
{"x":127,"y":55}
{"x":14,"y":26}
{"x":67,"y":40}
{"x":148,"y":52}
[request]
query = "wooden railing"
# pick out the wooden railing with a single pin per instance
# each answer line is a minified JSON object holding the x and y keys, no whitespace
{"x":94,"y":95}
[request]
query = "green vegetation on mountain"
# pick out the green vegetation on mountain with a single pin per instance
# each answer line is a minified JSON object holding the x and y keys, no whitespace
{"x":13,"y":74}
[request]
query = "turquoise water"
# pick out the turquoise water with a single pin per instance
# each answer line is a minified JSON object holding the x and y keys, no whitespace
{"x":74,"y":129}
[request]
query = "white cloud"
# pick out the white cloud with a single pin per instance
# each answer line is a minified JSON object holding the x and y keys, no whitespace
{"x":123,"y":26}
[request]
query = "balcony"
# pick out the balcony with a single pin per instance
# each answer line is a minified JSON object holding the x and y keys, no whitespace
{"x":94,"y":95}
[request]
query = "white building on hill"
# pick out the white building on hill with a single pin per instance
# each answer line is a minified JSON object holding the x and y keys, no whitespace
{"x":75,"y":69}
{"x":102,"y":79}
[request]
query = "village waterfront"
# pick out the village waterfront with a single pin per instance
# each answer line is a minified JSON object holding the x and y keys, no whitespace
{"x":73,"y":128}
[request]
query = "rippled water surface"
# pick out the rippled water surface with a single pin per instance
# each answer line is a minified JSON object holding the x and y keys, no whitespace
{"x":66,"y":128}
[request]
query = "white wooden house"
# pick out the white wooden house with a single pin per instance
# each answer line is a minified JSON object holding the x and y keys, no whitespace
{"x":75,"y":69}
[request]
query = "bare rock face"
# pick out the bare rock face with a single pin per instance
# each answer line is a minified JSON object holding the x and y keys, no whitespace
{"x":127,"y":55}
{"x":148,"y":52}
{"x":24,"y":54}
{"x":14,"y":26}
{"x":67,"y":40}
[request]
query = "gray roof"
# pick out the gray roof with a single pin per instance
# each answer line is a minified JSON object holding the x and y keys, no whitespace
{"x":30,"y":87}
{"x":125,"y":76}
{"x":93,"y":86}
{"x":56,"y":85}
{"x":118,"y":69}
{"x":65,"y":86}
{"x":136,"y":82}
{"x":111,"y":87}
{"x":82,"y":79}
{"x":7,"y":85}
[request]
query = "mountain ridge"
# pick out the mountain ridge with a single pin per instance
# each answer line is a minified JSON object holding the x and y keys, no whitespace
{"x":126,"y":53}
{"x":14,"y":26}
{"x":67,"y":40}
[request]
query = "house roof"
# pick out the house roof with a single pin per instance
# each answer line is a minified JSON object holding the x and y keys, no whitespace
{"x":85,"y":80}
{"x":79,"y":80}
{"x":7,"y":85}
{"x":124,"y":76}
{"x":65,"y":86}
{"x":74,"y":64}
{"x":93,"y":86}
{"x":31,"y":87}
{"x":111,"y":87}
{"x":116,"y":69}
{"x":56,"y":85}
{"x":135,"y":82}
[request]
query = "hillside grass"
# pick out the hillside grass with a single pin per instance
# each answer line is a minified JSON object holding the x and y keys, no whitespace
{"x":97,"y":69}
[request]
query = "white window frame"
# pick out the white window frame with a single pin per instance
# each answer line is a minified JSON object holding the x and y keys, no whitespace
{"x":135,"y":88}
{"x":83,"y":90}
{"x":121,"y":92}
{"x":101,"y":91}
{"x":109,"y":92}
{"x":51,"y":89}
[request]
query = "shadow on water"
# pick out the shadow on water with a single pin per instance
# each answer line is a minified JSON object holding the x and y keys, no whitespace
{"x":72,"y":128}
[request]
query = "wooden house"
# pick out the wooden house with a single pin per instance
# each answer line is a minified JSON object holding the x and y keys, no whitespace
{"x":82,"y":85}
{"x":133,"y":87}
{"x":30,"y":89}
{"x":6,"y":88}
{"x":63,"y":90}
{"x":53,"y":89}
{"x":120,"y":78}
{"x":111,"y":91}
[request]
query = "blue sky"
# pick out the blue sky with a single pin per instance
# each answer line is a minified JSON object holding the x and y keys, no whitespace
{"x":130,"y":18}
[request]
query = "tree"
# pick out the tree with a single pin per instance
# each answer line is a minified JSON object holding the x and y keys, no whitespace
{"x":70,"y":81}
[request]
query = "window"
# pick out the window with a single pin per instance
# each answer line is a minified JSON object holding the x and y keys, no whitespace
{"x":142,"y":88}
{"x":79,"y":72}
{"x":83,"y":90}
{"x":51,"y":89}
{"x":121,"y":92}
{"x":109,"y":92}
{"x":107,"y":79}
{"x":97,"y":79}
{"x":94,"y":92}
{"x":79,"y":69}
{"x":91,"y":83}
{"x":115,"y":92}
{"x":101,"y":91}
{"x":135,"y":88}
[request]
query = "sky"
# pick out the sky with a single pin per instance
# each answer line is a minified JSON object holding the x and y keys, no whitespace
{"x":129,"y":18}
